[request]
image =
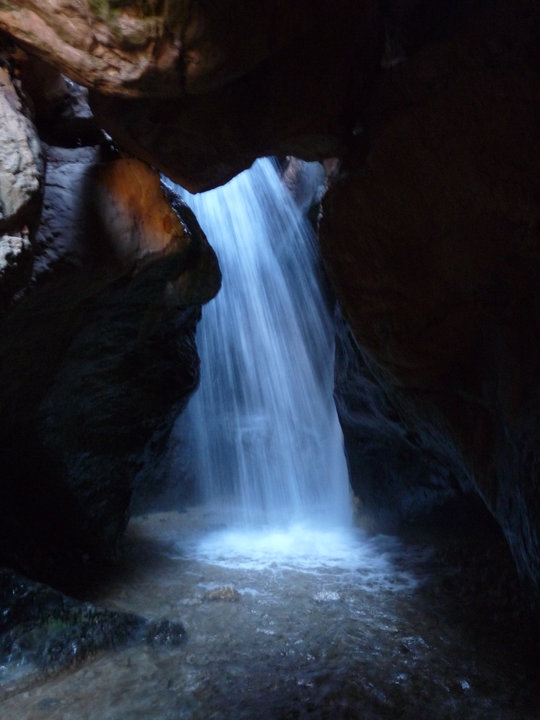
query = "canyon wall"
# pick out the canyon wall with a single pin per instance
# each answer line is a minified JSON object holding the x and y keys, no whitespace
{"x":429,"y":232}
{"x":97,"y":349}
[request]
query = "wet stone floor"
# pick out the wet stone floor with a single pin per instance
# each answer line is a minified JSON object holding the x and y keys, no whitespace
{"x":367,"y":628}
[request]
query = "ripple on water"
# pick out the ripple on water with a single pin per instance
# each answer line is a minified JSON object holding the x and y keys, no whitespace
{"x":349,"y":636}
{"x":377,"y":563}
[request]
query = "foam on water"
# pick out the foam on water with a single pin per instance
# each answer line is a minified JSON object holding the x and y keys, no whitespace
{"x":344,"y":554}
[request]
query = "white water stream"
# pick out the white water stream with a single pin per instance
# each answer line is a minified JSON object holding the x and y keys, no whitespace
{"x":262,"y":429}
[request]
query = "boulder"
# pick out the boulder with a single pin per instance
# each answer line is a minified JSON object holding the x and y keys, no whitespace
{"x":43,"y":631}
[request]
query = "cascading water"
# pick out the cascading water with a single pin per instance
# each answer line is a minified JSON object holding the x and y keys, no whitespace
{"x":262,"y":428}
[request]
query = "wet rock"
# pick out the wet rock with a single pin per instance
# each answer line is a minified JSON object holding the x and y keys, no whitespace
{"x":165,"y":633}
{"x":15,"y":265}
{"x":413,"y":645}
{"x":43,"y":628}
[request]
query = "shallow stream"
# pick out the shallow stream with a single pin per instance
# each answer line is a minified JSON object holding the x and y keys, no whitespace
{"x":274,"y":631}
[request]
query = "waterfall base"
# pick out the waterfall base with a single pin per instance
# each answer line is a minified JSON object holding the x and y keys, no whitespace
{"x":399,"y":637}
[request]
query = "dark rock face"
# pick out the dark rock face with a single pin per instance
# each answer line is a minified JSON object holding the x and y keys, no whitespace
{"x":40,"y":628}
{"x":433,"y":248}
{"x":398,"y":482}
{"x":97,"y":357}
{"x":116,"y":364}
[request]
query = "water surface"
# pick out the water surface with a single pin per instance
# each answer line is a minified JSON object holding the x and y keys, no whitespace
{"x":369,"y":634}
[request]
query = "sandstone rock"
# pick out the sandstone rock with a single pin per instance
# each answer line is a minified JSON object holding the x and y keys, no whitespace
{"x":269,"y":108}
{"x":432,"y":238}
{"x":21,"y":161}
{"x":305,"y":181}
{"x":117,"y":47}
{"x":225,"y":593}
{"x":111,"y":316}
{"x":227,"y":85}
{"x":133,"y":220}
{"x":433,"y":249}
{"x":398,"y":481}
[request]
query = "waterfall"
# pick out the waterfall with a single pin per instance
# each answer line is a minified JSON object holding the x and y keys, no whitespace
{"x":262,"y":431}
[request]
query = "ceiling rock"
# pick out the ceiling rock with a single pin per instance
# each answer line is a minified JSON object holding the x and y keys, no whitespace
{"x":115,"y":46}
{"x":227,"y":85}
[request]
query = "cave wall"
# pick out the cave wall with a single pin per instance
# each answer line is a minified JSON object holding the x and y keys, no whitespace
{"x":97,"y":339}
{"x":429,"y":232}
{"x":433,"y":247}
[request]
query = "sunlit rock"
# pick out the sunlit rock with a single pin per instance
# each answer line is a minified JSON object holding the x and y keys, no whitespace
{"x":126,"y":48}
{"x":21,"y":160}
{"x":21,"y":182}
